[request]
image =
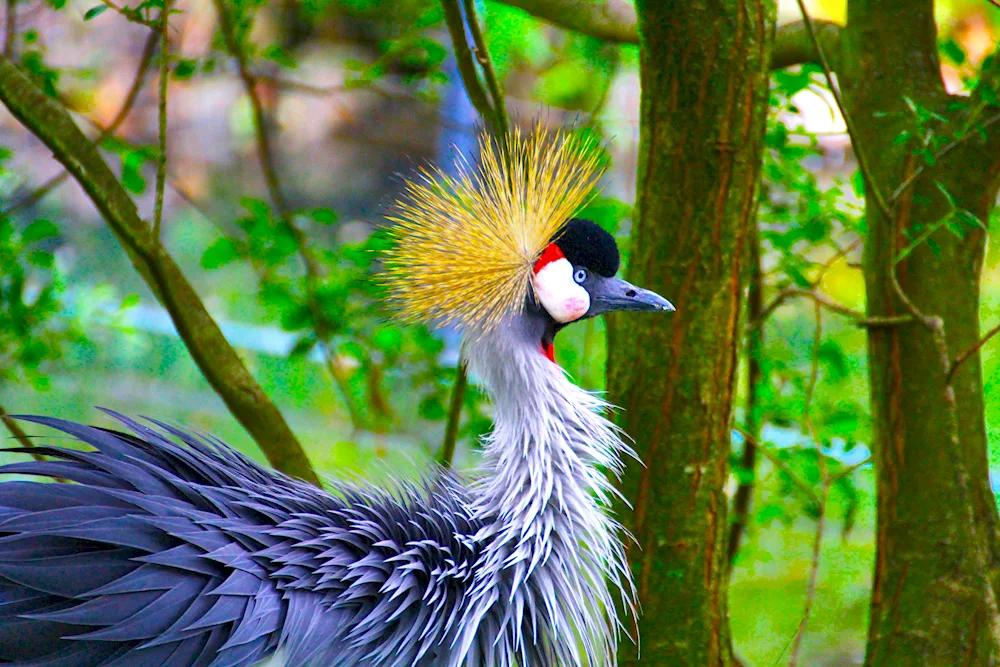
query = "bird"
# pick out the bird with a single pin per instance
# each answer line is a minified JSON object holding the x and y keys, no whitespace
{"x":164,"y":546}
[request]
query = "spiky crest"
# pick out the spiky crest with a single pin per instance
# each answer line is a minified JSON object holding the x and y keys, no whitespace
{"x":464,"y":245}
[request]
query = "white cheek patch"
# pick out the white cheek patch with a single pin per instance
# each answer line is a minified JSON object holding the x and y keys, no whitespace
{"x":565,"y":300}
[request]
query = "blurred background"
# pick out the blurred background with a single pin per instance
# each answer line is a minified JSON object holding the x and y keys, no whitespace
{"x":358,"y":94}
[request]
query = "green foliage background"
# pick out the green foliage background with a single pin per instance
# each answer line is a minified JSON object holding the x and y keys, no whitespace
{"x":78,"y":327}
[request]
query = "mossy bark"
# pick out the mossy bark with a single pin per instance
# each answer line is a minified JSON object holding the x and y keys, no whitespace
{"x":704,"y":95}
{"x":933,"y":601}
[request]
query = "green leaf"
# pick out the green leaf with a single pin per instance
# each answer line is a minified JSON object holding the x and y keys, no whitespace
{"x":279,"y":55}
{"x":303,"y":346}
{"x":858,"y":183}
{"x":324,"y":216}
{"x":185,"y":69}
{"x":39,"y":230}
{"x":947,"y":195}
{"x":94,"y":12}
{"x":222,"y":251}
{"x":934,"y":247}
{"x":432,"y":408}
{"x":41,"y":259}
{"x":130,"y":301}
{"x":953,"y":51}
{"x":133,"y":181}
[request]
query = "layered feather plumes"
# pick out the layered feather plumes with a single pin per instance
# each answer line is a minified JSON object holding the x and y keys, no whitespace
{"x":464,"y":245}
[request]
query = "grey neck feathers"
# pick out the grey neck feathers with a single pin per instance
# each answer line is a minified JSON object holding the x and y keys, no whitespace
{"x":551,"y":549}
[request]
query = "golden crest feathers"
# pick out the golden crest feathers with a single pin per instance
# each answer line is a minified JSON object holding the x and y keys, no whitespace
{"x":464,"y":246}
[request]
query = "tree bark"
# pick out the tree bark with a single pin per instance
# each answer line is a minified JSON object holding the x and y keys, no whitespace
{"x":704,"y":100}
{"x":934,"y":601}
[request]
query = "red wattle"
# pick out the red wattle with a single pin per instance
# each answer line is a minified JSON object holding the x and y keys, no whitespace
{"x":551,"y":254}
{"x":549,"y":350}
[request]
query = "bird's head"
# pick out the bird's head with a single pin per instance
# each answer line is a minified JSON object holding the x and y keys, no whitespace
{"x":575,"y":276}
{"x":499,"y":240}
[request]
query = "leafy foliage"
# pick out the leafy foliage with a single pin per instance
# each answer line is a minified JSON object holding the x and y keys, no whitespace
{"x":32,"y":332}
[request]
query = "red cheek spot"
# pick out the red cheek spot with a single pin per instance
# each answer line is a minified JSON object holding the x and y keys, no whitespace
{"x":549,"y":350}
{"x":552,"y":253}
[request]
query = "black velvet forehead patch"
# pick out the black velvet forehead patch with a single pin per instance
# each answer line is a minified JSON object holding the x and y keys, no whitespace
{"x":585,"y":244}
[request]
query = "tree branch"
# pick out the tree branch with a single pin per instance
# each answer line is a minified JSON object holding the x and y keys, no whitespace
{"x":496,"y":115}
{"x":615,"y":21}
{"x":265,"y":150}
{"x":18,"y":433}
{"x":792,"y":45}
{"x":466,"y":64}
{"x":11,"y":34}
{"x":213,"y":354}
{"x":830,"y":304}
{"x":124,"y":110}
{"x":611,"y":20}
{"x":161,"y":155}
{"x":743,"y":498}
{"x":454,"y":416}
{"x":960,"y":359}
{"x":482,"y":55}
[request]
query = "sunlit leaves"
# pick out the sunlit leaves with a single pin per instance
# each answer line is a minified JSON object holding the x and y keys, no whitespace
{"x":133,"y":160}
{"x":94,"y":12}
{"x":33,"y":329}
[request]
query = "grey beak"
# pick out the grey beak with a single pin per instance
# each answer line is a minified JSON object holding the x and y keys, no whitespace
{"x":616,"y":294}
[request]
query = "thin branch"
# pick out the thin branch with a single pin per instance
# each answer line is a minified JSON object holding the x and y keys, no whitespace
{"x":911,"y":179}
{"x":22,"y":438}
{"x":932,"y":324}
{"x":161,"y":157}
{"x":819,"y":297}
{"x":265,"y":150}
{"x":814,"y":369}
{"x":454,"y":416}
{"x":215,"y":357}
{"x":466,"y":65}
{"x":130,"y":14}
{"x":824,"y":494}
{"x":960,"y":359}
{"x":11,"y":27}
{"x":264,"y":147}
{"x":486,"y":63}
{"x":782,"y":466}
{"x":743,"y":498}
{"x":849,"y":470}
{"x":494,"y":114}
{"x":841,"y":253}
{"x":813,"y":571}
{"x":124,"y":110}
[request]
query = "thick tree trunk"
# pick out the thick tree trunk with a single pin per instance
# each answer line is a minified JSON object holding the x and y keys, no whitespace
{"x":704,"y":96}
{"x":933,"y":602}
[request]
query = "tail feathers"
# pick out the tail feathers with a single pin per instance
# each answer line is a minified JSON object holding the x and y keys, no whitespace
{"x":127,"y":565}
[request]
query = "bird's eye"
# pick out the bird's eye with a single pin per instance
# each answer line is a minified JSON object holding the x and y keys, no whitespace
{"x":580,"y":275}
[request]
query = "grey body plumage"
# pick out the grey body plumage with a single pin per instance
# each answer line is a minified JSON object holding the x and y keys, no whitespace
{"x":172,"y":549}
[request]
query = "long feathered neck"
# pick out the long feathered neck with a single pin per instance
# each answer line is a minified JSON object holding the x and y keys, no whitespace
{"x":552,"y":550}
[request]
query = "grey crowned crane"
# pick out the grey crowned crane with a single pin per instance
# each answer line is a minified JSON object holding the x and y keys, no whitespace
{"x":169,"y":548}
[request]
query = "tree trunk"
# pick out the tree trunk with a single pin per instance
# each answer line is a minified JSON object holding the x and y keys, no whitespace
{"x":704,"y":99}
{"x":933,"y":602}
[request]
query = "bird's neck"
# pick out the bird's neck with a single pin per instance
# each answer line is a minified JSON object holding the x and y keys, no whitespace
{"x":544,"y":493}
